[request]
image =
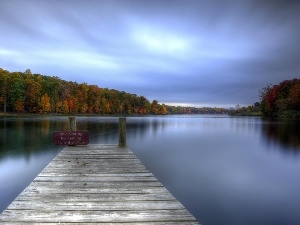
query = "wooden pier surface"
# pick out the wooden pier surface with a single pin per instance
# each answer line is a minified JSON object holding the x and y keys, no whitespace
{"x":96,"y":184}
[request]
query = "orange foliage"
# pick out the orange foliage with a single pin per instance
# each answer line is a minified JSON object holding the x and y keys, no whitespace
{"x":19,"y":106}
{"x":45,"y":105}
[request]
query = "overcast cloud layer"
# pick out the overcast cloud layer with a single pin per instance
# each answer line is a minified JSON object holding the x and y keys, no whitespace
{"x":193,"y":52}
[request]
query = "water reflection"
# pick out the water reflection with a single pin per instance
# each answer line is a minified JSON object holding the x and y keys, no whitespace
{"x":221,"y":168}
{"x":286,"y":134}
{"x":25,"y":136}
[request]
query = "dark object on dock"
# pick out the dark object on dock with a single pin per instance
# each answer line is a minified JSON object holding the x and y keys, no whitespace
{"x":80,"y":137}
{"x":73,"y":137}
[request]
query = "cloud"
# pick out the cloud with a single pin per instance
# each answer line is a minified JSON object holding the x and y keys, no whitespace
{"x":195,"y":52}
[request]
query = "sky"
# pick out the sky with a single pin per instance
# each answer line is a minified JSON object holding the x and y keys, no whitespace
{"x":215,"y":53}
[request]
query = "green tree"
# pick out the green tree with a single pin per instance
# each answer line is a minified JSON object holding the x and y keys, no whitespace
{"x":4,"y":76}
{"x":16,"y":91}
{"x":51,"y":86}
{"x":82,"y":95}
{"x":33,"y":90}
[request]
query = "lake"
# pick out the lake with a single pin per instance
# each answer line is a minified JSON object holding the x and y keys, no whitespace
{"x":224,"y":170}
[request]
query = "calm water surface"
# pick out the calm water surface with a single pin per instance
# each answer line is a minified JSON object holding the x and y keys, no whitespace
{"x":225,"y":170}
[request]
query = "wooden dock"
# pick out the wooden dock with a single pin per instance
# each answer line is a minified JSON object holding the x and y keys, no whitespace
{"x":96,"y":184}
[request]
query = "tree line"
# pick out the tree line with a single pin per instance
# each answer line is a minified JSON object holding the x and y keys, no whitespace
{"x":24,"y":92}
{"x":251,"y":110}
{"x":281,"y":100}
{"x":276,"y":101}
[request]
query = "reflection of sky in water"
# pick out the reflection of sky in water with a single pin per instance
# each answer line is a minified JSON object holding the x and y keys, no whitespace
{"x":18,"y":171}
{"x":225,"y":170}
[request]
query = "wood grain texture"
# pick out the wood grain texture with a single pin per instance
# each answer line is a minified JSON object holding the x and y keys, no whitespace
{"x":96,"y":184}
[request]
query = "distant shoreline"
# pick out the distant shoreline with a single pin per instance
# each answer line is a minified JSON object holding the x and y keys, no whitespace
{"x":93,"y":114}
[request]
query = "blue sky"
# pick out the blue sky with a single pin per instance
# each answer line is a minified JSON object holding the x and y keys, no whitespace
{"x":187,"y":52}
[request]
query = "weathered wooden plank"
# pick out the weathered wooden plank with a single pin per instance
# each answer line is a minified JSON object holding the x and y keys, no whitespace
{"x":57,"y":174}
{"x":99,"y":222}
{"x":89,"y":205}
{"x":96,"y":184}
{"x":98,"y":161}
{"x":115,"y":184}
{"x":96,"y":167}
{"x":93,"y":171}
{"x":74,"y":197}
{"x":95,"y":157}
{"x":95,"y":216}
{"x":98,"y":148}
{"x":85,"y":188}
{"x":94,"y":178}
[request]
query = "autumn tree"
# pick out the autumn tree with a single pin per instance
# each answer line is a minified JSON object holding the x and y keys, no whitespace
{"x":82,"y":96}
{"x":281,"y":100}
{"x":144,"y":105}
{"x":36,"y":93}
{"x":45,"y":105}
{"x":93,"y":99}
{"x":294,"y":96}
{"x":154,"y":107}
{"x":163,"y":109}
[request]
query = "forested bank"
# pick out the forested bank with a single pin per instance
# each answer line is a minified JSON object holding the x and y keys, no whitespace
{"x":276,"y":101}
{"x":281,"y":100}
{"x":24,"y":92}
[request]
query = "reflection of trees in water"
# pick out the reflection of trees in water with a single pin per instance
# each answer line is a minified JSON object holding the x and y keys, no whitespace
{"x":286,"y":134}
{"x":25,"y":136}
{"x":141,"y":128}
{"x":103,"y":131}
{"x":100,"y":132}
{"x":108,"y":132}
